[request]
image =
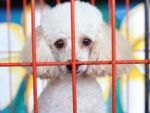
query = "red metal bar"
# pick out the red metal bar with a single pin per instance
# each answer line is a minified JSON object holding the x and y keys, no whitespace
{"x":34,"y":56}
{"x":72,"y":7}
{"x":58,"y":1}
{"x":127,"y":31}
{"x":81,"y":63}
{"x":113,"y":25}
{"x":127,"y":17}
{"x":109,"y":11}
{"x":41,"y":7}
{"x":34,"y":63}
{"x":24,"y":18}
{"x":146,"y":67}
{"x":8,"y":8}
{"x":41,"y":12}
{"x":117,"y":62}
{"x":25,"y":35}
{"x":92,"y":2}
{"x":9,"y":22}
{"x":8,"y":12}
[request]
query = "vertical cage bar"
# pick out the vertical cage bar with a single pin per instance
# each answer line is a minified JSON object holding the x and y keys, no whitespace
{"x":127,"y":32}
{"x":34,"y":56}
{"x":72,"y":6}
{"x":93,"y":2}
{"x":41,"y":7}
{"x":25,"y":35}
{"x":41,"y":15}
{"x":24,"y":18}
{"x":127,"y":17}
{"x":146,"y":56}
{"x":58,"y":1}
{"x":109,"y":11}
{"x":8,"y":11}
{"x":113,"y":24}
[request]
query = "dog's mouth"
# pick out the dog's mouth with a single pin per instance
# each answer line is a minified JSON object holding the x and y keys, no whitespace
{"x":67,"y":69}
{"x":77,"y":72}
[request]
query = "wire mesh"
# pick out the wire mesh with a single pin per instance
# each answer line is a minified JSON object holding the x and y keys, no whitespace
{"x":34,"y":56}
{"x":146,"y":56}
{"x":8,"y":10}
{"x":113,"y":62}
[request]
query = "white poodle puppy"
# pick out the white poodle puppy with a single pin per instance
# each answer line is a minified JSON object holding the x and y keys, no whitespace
{"x":93,"y":43}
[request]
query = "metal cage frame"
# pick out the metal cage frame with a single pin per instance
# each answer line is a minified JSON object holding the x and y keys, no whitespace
{"x":113,"y":62}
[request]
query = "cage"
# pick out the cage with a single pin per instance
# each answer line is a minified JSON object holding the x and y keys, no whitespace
{"x":17,"y":96}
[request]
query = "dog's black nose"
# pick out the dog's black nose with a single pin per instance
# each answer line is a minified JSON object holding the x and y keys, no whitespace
{"x":69,"y":67}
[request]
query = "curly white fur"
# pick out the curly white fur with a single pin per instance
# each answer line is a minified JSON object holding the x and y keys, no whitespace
{"x":57,"y":96}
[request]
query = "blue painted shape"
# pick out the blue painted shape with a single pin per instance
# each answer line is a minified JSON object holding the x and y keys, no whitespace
{"x":18,"y":104}
{"x":15,"y":15}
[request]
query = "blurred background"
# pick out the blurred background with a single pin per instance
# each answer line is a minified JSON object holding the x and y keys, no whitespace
{"x":16,"y":88}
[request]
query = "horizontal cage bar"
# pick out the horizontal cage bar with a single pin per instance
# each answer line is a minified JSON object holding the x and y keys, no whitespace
{"x":78,"y":62}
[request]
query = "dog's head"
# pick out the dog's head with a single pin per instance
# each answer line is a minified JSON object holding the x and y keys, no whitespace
{"x":92,"y":41}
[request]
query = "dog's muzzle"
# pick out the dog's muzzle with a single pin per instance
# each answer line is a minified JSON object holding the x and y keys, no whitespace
{"x":69,"y":67}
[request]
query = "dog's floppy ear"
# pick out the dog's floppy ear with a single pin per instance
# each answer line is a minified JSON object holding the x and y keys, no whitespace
{"x":102,"y":51}
{"x":43,"y":54}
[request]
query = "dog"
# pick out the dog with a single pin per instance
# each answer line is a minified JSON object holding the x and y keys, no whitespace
{"x":93,"y":43}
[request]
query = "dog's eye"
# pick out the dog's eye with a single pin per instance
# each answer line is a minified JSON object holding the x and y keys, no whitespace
{"x":86,"y":42}
{"x":59,"y":44}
